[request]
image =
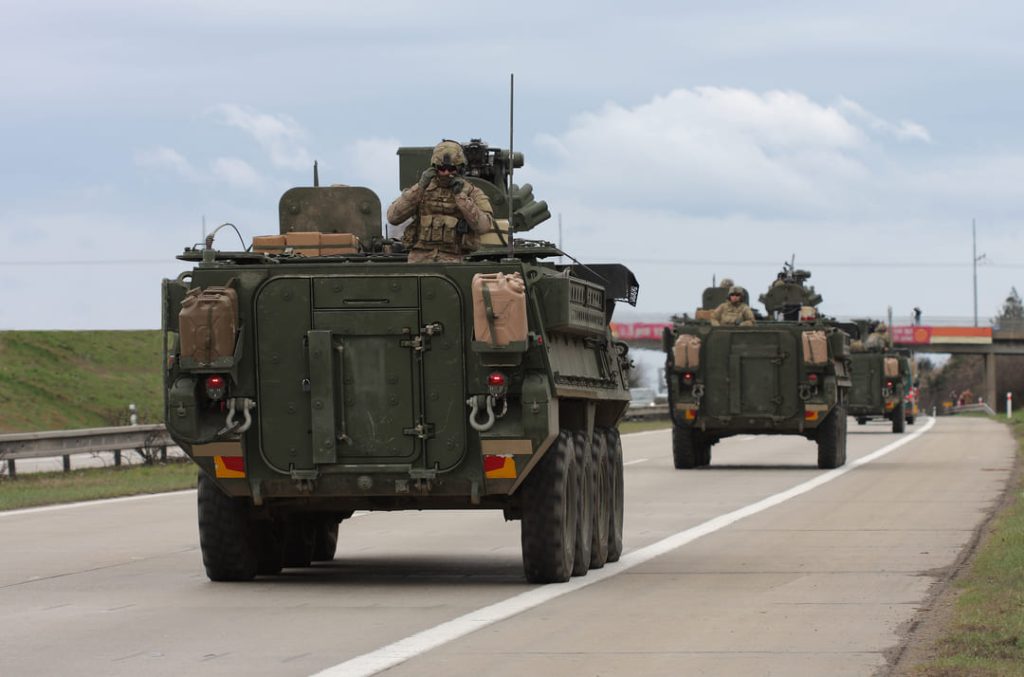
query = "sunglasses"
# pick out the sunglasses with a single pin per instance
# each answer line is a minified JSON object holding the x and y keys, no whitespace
{"x":447,"y":168}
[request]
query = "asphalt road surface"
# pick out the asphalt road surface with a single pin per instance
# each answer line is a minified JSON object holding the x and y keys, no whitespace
{"x":760,"y":564}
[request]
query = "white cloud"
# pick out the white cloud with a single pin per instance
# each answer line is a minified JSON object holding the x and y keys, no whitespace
{"x":236,"y":172}
{"x":903,"y":130}
{"x":162,"y":157}
{"x":278,"y":135}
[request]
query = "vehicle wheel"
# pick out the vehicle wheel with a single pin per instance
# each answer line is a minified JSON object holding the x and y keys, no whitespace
{"x":325,"y":541}
{"x":831,"y":439}
{"x":548,"y":531}
{"x":602,"y":499}
{"x":299,"y":539}
{"x":684,"y":447}
{"x":899,"y":420}
{"x":861,"y":420}
{"x":703,"y":450}
{"x":616,"y":497}
{"x":584,"y":505}
{"x":226,"y":534}
{"x":269,"y":547}
{"x":911,"y":419}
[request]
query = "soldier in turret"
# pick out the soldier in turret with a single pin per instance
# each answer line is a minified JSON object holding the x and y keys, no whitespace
{"x":448,"y":213}
{"x":734,"y":311}
{"x":879,"y":338}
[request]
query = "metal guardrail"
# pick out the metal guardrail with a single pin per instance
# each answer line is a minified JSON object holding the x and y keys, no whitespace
{"x":981,"y":406}
{"x":654,"y":412}
{"x":65,"y":443}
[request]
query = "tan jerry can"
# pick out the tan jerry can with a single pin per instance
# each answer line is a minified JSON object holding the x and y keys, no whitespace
{"x":207,"y":324}
{"x":815,"y":347}
{"x":499,"y":308}
{"x":268,"y":244}
{"x":686,"y":352}
{"x":304,"y":243}
{"x":891,"y":367}
{"x":332,"y":244}
{"x":492,"y":237}
{"x":702,"y":314}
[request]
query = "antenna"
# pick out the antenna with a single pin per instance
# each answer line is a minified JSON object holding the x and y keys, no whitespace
{"x":511,"y":158}
{"x":316,"y":175}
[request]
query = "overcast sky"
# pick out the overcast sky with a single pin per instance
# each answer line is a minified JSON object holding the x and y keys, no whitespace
{"x":685,"y":139}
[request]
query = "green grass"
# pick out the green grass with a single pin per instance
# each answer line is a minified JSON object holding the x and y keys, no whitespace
{"x":986,"y":635}
{"x":35,"y":489}
{"x":57,"y":380}
{"x":638,"y":426}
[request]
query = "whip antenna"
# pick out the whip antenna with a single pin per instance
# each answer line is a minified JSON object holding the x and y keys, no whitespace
{"x":511,"y":156}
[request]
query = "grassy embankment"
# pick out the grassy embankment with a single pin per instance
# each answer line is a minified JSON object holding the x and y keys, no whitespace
{"x":985,"y":636}
{"x":62,"y":380}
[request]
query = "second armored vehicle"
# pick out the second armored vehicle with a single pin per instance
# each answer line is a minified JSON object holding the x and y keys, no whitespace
{"x":881,"y":382}
{"x":786,"y":374}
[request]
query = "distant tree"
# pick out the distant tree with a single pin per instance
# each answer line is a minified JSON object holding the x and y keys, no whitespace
{"x":1013,"y":310}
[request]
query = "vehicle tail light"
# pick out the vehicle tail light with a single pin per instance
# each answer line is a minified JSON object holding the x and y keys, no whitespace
{"x":216,"y":387}
{"x":812,"y":379}
{"x":688,"y":377}
{"x":497,"y":383}
{"x":889,"y":383}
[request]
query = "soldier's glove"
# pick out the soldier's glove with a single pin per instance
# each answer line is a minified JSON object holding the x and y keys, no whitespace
{"x":462,"y":227}
{"x":426,"y":177}
{"x":457,"y":184}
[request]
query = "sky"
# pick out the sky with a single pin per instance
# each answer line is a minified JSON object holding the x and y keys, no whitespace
{"x":687,"y":140}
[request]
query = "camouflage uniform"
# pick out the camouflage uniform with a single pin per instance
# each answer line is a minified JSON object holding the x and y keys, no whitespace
{"x":437,"y":211}
{"x":879,"y":338}
{"x":730,"y":313}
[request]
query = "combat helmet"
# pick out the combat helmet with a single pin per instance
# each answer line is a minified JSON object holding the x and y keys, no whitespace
{"x":736,"y":289}
{"x":881,"y":328}
{"x":448,"y":152}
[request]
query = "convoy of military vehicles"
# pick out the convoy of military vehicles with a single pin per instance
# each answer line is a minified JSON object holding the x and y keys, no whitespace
{"x":316,"y":373}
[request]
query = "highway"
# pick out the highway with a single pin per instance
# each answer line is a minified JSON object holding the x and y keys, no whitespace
{"x":760,"y":564}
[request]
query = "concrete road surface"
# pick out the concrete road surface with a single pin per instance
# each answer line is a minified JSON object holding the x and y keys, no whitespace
{"x":760,"y":564}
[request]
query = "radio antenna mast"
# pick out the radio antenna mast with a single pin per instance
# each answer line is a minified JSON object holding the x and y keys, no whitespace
{"x":511,"y":157}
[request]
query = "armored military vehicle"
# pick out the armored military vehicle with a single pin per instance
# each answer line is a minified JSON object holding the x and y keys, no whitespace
{"x":317,"y":374}
{"x":787,"y":374}
{"x":881,"y":382}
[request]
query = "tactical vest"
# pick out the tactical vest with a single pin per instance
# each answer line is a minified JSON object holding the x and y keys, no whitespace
{"x":436,"y":222}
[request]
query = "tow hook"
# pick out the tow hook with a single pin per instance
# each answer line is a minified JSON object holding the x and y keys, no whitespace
{"x":474,"y":409}
{"x":236,"y":405}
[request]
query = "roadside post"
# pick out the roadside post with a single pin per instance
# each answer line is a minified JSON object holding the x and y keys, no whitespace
{"x":1009,"y":404}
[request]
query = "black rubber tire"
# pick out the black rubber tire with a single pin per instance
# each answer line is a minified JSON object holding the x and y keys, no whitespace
{"x":325,"y":541}
{"x":548,"y":530}
{"x":911,"y":419}
{"x":703,"y":450}
{"x":831,"y":438}
{"x":861,"y":420}
{"x":602,"y":500}
{"x":269,"y":547}
{"x":684,"y":448}
{"x":585,"y":492}
{"x":299,"y":539}
{"x":226,"y":534}
{"x":616,"y":510}
{"x":899,"y":420}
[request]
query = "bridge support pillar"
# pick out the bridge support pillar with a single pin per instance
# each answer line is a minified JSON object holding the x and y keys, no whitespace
{"x":990,"y":381}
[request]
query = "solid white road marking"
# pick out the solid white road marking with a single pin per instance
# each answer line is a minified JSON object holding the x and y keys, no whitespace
{"x":639,"y":460}
{"x":431,"y":638}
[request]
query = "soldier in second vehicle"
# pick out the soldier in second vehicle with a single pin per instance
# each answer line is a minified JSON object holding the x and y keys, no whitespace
{"x":734,"y":311}
{"x":879,"y":338}
{"x":448,"y":213}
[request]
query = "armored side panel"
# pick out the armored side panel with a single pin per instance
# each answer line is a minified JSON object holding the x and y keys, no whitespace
{"x":752,"y":375}
{"x":866,"y":393}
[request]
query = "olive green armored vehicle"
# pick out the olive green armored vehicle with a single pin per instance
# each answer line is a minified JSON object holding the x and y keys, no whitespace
{"x":317,"y":374}
{"x":786,"y":374}
{"x":881,"y":380}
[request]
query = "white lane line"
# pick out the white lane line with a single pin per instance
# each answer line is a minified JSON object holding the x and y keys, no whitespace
{"x":746,"y":438}
{"x":647,"y":432}
{"x":398,"y":652}
{"x":86,"y":504}
{"x":639,"y":460}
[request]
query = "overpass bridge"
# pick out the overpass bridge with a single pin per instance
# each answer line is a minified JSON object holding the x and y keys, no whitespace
{"x":957,"y":340}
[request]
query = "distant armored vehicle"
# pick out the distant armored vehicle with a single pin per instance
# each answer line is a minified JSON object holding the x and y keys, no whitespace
{"x":320,"y":374}
{"x":882,"y":383}
{"x":786,"y":374}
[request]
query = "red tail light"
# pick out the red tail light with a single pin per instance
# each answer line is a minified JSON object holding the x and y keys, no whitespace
{"x":889,"y":383}
{"x":496,"y":379}
{"x":216,"y":387}
{"x":812,"y":378}
{"x":687,"y":377}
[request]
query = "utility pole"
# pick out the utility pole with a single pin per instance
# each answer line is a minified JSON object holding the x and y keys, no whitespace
{"x":974,"y":264}
{"x":560,"y":258}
